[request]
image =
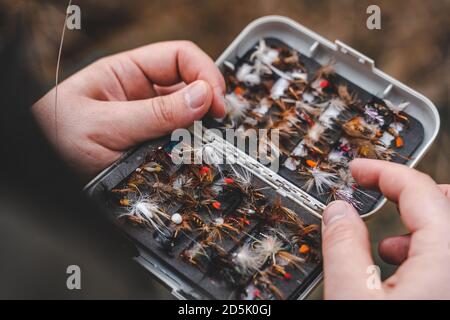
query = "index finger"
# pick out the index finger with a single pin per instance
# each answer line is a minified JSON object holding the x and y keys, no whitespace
{"x":419,"y":198}
{"x":168,"y":63}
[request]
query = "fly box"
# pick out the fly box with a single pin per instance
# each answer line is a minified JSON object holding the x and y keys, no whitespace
{"x":243,"y":229}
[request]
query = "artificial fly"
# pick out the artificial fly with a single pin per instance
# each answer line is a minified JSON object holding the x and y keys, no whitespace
{"x":318,"y":178}
{"x":146,"y":212}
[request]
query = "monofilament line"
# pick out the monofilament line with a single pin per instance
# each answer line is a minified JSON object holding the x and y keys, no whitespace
{"x":57,"y":74}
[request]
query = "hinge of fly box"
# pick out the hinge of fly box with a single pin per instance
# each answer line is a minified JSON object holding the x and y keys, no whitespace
{"x":281,"y":185}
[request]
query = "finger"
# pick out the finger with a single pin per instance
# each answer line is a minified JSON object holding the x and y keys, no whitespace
{"x":139,"y":121}
{"x":445,"y":188}
{"x":394,"y":250}
{"x":168,"y":63}
{"x":162,"y":91}
{"x":346,"y":253}
{"x":420,"y":200}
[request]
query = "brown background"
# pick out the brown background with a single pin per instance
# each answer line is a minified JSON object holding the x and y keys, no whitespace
{"x":412,"y":47}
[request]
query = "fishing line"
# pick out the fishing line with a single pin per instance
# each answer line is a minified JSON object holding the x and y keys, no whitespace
{"x":57,"y":74}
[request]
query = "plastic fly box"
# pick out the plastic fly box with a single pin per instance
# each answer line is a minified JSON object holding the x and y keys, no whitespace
{"x":243,"y":231}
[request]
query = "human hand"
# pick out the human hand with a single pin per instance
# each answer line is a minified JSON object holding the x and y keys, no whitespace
{"x":424,"y":256}
{"x":128,"y":98}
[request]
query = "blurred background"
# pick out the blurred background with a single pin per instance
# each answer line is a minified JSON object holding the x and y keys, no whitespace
{"x":412,"y":46}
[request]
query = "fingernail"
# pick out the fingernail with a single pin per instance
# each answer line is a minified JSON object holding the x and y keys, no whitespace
{"x":195,"y":95}
{"x":224,"y":104}
{"x":219,"y":93}
{"x":334,"y":211}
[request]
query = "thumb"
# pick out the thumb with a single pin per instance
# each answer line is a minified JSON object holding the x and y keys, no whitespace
{"x":146,"y":119}
{"x":346,"y":255}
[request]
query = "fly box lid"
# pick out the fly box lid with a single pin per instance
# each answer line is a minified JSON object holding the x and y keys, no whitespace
{"x":242,"y":230}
